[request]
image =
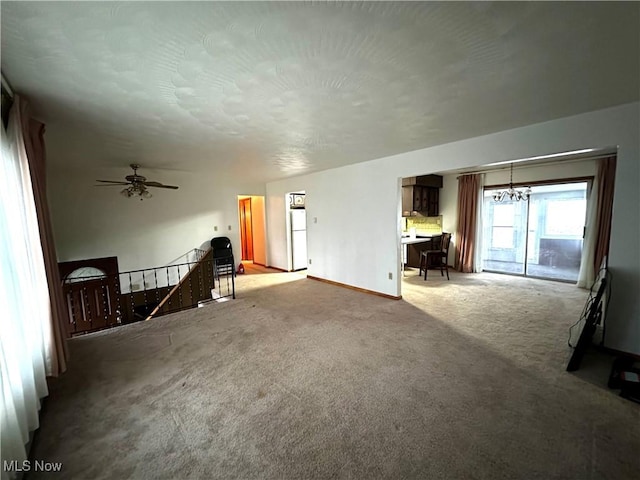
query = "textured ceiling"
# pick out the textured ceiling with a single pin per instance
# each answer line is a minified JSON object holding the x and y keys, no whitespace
{"x":276,"y":89}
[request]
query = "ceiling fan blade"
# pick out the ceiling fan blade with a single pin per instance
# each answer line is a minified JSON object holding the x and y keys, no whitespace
{"x":159,"y":185}
{"x":113,"y":182}
{"x":111,"y":185}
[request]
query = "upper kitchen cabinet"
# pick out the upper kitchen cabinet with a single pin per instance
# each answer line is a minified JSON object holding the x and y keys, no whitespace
{"x":421,"y":194}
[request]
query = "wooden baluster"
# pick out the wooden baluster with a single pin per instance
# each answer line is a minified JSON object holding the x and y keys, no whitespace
{"x":133,"y":306}
{"x":155,"y":276}
{"x":179,"y":288}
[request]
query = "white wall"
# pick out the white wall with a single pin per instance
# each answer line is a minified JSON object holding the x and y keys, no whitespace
{"x":521,"y":173}
{"x":537,"y":173}
{"x":91,"y":222}
{"x":334,"y":248}
{"x":449,"y":210}
{"x":356,"y":239}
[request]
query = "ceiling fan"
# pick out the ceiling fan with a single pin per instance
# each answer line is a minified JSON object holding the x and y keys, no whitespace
{"x":136,"y":184}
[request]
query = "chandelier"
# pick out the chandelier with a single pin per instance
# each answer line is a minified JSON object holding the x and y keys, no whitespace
{"x":511,"y":193}
{"x":136,"y":190}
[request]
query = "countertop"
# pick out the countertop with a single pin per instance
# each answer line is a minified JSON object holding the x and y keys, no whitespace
{"x":419,"y":239}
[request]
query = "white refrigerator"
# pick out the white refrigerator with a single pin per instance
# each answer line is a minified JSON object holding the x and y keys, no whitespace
{"x":298,"y":239}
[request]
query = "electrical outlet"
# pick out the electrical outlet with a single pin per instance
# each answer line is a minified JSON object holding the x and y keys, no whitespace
{"x":390,"y":276}
{"x":229,"y":227}
{"x":215,"y":229}
{"x":309,"y":261}
{"x":315,"y":219}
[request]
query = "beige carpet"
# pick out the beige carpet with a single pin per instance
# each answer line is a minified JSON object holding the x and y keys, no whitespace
{"x":297,"y":379}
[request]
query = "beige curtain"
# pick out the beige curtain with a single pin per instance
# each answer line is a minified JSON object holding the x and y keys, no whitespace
{"x":33,"y":134}
{"x":468,"y":186}
{"x":606,"y":185}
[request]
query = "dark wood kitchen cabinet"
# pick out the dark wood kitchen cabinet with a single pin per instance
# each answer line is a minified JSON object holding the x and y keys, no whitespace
{"x":431,"y":201}
{"x":421,"y":199}
{"x":421,"y":194}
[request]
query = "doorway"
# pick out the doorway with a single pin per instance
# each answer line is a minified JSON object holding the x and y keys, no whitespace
{"x":538,"y":237}
{"x":297,"y":230}
{"x":252,"y":228}
{"x":246,"y":228}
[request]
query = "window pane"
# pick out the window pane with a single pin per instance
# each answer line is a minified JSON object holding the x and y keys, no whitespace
{"x":502,"y":237}
{"x":503,"y":215}
{"x":555,"y":230}
{"x":503,"y":234}
{"x":565,"y":217}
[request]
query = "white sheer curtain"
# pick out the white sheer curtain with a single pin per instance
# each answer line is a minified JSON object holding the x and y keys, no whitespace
{"x":477,"y":253}
{"x":25,"y":329}
{"x":586,"y":276}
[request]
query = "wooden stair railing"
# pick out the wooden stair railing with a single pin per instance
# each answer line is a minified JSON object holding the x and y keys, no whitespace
{"x":111,"y":298}
{"x":177,"y":292}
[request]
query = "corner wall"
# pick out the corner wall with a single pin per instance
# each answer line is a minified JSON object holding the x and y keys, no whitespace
{"x":356,"y":238}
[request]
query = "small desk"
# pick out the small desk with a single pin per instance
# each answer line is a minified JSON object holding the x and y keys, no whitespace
{"x":405,"y":241}
{"x":420,"y":239}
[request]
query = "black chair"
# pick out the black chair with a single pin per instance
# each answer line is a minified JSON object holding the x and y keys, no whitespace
{"x":223,"y":261}
{"x":436,"y":258}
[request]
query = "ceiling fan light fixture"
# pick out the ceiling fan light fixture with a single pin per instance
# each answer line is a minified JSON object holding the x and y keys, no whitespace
{"x":136,"y":185}
{"x":136,"y":191}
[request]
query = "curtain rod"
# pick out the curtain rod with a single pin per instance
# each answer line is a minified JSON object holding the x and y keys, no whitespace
{"x":523,"y":164}
{"x":7,"y":85}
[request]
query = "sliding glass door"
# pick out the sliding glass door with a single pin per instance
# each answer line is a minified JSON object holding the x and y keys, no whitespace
{"x":539,"y":237}
{"x":504,"y":238}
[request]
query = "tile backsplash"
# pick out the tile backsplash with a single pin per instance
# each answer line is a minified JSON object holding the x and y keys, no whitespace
{"x":425,"y":224}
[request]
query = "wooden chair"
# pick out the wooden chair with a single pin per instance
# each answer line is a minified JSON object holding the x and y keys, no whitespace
{"x":436,"y":258}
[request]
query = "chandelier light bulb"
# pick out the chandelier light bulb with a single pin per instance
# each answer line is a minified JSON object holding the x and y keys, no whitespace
{"x":511,"y":193}
{"x":136,"y":191}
